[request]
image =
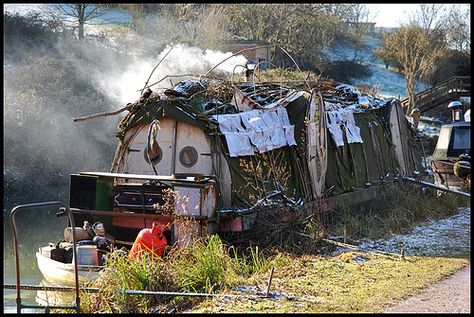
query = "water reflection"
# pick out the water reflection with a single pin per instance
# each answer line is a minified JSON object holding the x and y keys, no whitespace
{"x":40,"y":297}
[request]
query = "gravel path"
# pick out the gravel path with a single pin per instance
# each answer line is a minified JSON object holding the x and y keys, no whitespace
{"x":452,"y":295}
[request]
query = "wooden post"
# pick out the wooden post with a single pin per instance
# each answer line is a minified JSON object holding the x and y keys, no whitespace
{"x":269,"y":282}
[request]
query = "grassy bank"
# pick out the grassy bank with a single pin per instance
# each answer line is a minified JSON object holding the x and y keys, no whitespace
{"x":394,"y":211}
{"x":302,"y":281}
{"x":207,"y":266}
{"x":350,"y":282}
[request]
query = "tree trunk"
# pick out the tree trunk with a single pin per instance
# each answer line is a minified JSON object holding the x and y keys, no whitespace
{"x":410,"y":84}
{"x":80,"y":20}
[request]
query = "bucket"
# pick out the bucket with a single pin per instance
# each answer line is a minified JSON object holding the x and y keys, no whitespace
{"x":87,"y":255}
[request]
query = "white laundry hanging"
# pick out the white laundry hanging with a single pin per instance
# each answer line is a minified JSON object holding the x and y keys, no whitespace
{"x":334,"y":126}
{"x":237,"y":139}
{"x":352,"y":131}
{"x":343,"y":118}
{"x":238,"y":143}
{"x":264,"y":129}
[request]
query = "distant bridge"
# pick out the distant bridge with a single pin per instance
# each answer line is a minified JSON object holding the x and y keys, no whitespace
{"x":442,"y":93}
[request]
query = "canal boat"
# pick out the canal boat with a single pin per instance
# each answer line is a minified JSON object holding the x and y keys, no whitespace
{"x":450,"y":161}
{"x":199,"y":166}
{"x":224,"y":156}
{"x":204,"y":156}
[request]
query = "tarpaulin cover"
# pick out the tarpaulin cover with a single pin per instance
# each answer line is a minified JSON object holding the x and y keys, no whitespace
{"x":350,"y":165}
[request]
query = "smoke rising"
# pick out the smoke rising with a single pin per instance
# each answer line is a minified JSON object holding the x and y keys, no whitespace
{"x":122,"y":80}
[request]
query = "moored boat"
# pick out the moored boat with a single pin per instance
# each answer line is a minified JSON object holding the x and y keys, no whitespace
{"x":61,"y":273}
{"x":450,"y":161}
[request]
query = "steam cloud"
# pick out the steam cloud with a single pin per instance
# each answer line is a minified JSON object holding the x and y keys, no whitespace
{"x":123,"y":87}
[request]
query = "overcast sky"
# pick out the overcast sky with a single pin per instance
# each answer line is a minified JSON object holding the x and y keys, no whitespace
{"x":391,"y":14}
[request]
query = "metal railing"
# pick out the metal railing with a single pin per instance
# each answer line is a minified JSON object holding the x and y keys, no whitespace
{"x":65,"y":210}
{"x":19,"y":305}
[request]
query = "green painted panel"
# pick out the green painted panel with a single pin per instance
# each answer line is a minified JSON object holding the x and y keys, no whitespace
{"x":103,"y":200}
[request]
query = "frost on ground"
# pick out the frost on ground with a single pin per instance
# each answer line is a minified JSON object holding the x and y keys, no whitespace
{"x":447,"y":237}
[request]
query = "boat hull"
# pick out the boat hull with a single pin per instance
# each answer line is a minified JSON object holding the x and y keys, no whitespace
{"x":443,"y":173}
{"x":59,"y":273}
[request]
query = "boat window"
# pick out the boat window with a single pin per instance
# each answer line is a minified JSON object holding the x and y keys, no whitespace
{"x":462,"y":139}
{"x":188,"y":156}
{"x":155,"y":153}
{"x":443,"y":140}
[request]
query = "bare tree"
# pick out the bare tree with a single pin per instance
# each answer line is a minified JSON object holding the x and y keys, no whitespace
{"x":458,"y":29}
{"x":83,"y":13}
{"x":358,"y":17}
{"x":415,"y":53}
{"x":211,"y":30}
{"x":303,"y":29}
{"x":202,"y":25}
{"x":431,"y":18}
{"x":416,"y":47}
{"x":137,"y":11}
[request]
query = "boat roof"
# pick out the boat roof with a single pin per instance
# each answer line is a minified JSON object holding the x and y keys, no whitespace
{"x":458,"y":124}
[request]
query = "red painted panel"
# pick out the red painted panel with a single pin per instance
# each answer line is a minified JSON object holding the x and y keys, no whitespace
{"x":138,"y":223}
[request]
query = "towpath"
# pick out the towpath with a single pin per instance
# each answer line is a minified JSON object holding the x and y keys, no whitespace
{"x":446,"y":237}
{"x":452,"y":295}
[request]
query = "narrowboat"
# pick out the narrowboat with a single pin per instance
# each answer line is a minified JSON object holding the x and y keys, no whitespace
{"x":204,"y":155}
{"x":450,"y":161}
{"x":224,"y":148}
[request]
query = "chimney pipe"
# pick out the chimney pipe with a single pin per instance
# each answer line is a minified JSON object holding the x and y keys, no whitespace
{"x":456,"y":110}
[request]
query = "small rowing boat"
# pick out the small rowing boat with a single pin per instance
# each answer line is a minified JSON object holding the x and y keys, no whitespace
{"x":62,"y":273}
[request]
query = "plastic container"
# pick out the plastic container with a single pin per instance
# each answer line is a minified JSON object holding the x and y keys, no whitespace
{"x":149,"y":240}
{"x":87,"y":255}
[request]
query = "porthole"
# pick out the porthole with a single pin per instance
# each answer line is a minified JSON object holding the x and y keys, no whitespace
{"x":188,"y":156}
{"x":154,"y":153}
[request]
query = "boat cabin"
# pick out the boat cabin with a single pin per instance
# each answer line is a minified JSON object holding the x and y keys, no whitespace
{"x":250,"y":144}
{"x":454,"y":140}
{"x":450,"y":161}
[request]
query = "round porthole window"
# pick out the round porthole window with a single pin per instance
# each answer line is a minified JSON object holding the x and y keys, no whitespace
{"x":154,"y":153}
{"x":188,"y":156}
